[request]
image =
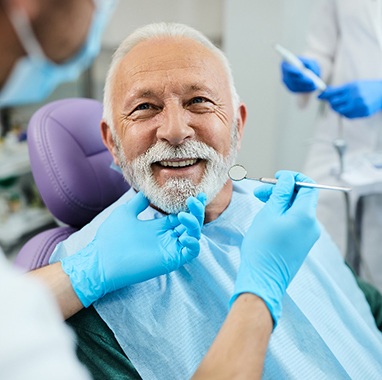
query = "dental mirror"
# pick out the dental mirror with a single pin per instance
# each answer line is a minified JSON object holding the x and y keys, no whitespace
{"x":238,"y":173}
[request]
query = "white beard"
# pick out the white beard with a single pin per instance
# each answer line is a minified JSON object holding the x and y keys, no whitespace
{"x":171,"y":197}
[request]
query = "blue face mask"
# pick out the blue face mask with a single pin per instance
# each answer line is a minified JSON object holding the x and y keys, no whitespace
{"x":35,"y":76}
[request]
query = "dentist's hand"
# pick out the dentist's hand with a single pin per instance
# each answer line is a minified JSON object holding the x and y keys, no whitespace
{"x":356,"y":99}
{"x":278,"y":241}
{"x":295,"y":80}
{"x":127,"y":250}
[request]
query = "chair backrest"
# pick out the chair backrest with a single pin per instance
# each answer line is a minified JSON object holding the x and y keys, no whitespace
{"x":71,"y":168}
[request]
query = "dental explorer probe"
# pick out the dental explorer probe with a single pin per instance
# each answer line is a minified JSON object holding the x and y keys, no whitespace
{"x":238,"y":173}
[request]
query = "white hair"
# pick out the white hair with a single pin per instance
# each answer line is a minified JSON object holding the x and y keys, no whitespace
{"x":156,"y":31}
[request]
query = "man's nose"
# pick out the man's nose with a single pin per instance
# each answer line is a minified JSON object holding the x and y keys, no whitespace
{"x":175,"y":126}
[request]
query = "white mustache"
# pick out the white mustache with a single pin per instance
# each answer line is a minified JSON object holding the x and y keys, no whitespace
{"x":163,"y":151}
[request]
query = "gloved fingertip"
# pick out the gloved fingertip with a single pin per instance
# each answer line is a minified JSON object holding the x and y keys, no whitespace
{"x":283,"y":172}
{"x":283,"y":191}
{"x":263,"y":192}
{"x":303,"y":178}
{"x":202,"y":197}
{"x":285,"y":176}
{"x":191,"y":223}
{"x":138,"y":203}
{"x":141,"y":196}
{"x":191,"y":251}
{"x":196,"y":208}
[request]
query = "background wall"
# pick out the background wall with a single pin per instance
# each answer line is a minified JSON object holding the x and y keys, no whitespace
{"x":277,"y":132}
{"x":205,"y":15}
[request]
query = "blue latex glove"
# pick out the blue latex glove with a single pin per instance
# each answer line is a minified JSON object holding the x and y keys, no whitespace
{"x":277,"y":242}
{"x":295,"y":80}
{"x":126,"y":250}
{"x":356,"y":99}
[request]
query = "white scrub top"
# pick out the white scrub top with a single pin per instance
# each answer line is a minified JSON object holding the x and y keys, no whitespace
{"x":35,"y":343}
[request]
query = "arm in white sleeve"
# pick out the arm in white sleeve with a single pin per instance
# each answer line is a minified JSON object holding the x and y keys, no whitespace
{"x":323,"y":34}
{"x":35,"y":342}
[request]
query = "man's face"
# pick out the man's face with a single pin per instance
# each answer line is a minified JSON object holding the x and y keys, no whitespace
{"x":175,"y":133}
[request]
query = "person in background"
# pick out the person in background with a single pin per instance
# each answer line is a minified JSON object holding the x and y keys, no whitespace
{"x":344,"y":47}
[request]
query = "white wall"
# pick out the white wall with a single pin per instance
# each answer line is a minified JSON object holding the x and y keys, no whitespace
{"x":277,"y":132}
{"x":204,"y":15}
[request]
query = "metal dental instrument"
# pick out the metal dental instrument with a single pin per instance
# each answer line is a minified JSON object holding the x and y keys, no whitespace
{"x":340,"y":146}
{"x":238,"y":173}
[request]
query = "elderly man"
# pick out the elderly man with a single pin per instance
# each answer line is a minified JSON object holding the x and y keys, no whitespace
{"x":173,"y":122}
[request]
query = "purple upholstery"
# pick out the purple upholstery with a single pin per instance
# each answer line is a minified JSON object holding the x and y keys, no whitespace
{"x":71,"y":168}
{"x":37,"y":251}
{"x":70,"y":163}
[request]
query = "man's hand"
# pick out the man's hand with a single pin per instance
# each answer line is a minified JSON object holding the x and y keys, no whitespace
{"x":278,"y":241}
{"x":127,"y":250}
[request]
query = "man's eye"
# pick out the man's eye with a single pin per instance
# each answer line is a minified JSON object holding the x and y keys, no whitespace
{"x":144,"y":110}
{"x":143,"y":106}
{"x":198,"y":100}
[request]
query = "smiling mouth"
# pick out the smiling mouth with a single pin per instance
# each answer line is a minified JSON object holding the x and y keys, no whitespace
{"x":178,"y":163}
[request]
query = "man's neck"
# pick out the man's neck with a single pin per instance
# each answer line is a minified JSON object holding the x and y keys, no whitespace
{"x":219,"y":204}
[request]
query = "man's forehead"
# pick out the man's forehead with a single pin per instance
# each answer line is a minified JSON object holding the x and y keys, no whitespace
{"x":170,"y":53}
{"x":142,"y":91}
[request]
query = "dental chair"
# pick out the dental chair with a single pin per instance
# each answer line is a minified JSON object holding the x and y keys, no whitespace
{"x":71,"y":168}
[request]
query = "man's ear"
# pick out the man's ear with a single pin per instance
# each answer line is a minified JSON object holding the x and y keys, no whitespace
{"x":108,"y":140}
{"x":241,"y":119}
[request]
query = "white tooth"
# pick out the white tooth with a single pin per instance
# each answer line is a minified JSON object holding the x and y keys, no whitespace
{"x":177,"y":164}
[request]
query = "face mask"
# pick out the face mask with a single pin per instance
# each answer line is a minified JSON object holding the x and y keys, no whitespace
{"x":35,"y":76}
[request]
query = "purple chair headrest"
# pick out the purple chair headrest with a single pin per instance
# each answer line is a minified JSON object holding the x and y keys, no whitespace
{"x":70,"y":163}
{"x":37,"y":251}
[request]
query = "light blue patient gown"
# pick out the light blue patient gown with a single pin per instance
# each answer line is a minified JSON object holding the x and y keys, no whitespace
{"x":166,"y":325}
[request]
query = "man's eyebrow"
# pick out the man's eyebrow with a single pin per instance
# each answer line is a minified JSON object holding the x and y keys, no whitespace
{"x":143,"y":93}
{"x":199,"y":88}
{"x":196,"y":87}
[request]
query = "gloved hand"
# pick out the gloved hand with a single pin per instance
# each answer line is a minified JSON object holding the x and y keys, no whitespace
{"x":295,"y":80}
{"x":356,"y":99}
{"x":126,"y":250}
{"x":277,"y":242}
